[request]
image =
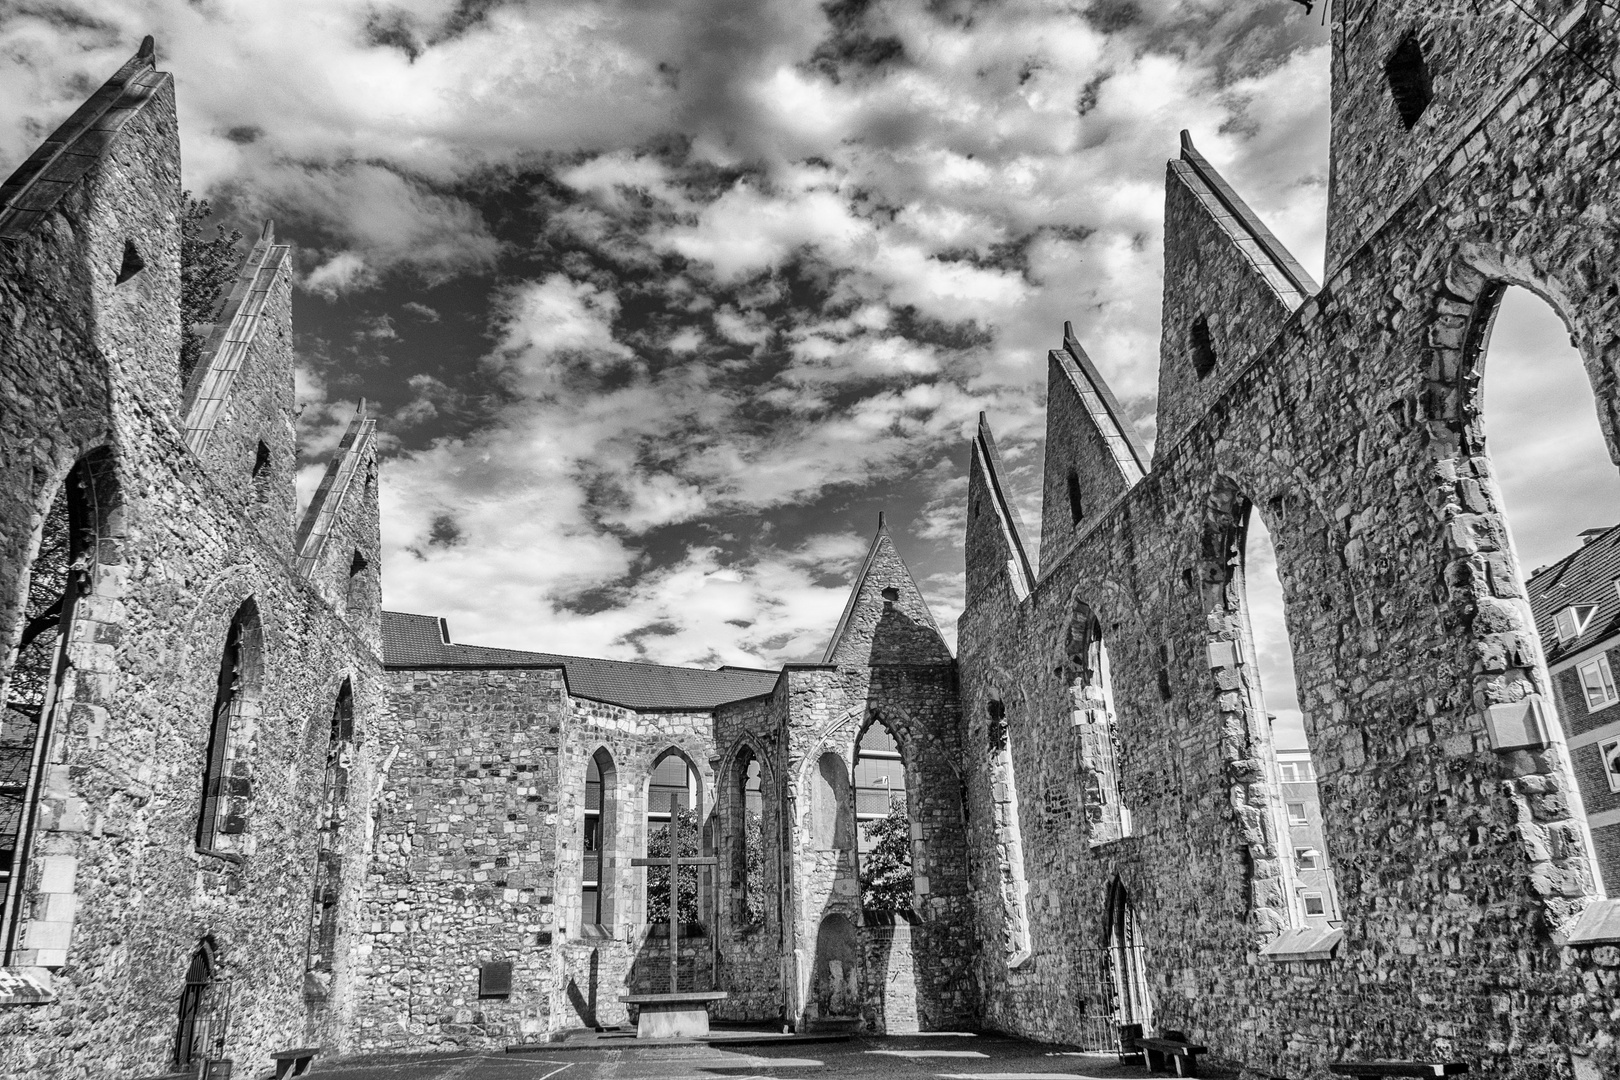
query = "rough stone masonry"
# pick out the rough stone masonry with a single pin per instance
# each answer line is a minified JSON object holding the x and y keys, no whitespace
{"x":254,"y":812}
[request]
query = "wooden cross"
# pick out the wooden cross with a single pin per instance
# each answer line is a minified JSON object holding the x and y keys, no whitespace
{"x":675,"y":862}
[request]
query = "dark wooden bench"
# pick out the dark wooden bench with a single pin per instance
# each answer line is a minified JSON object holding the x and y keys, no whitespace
{"x":1378,"y":1069}
{"x":1171,"y":1048}
{"x":294,"y":1062}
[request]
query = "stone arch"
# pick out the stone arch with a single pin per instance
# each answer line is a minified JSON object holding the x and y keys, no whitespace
{"x":199,"y":1029}
{"x":598,"y":833}
{"x":1084,"y":667}
{"x":746,"y":771}
{"x":225,"y":816}
{"x":73,"y":574}
{"x":1245,"y":743}
{"x":835,"y":982}
{"x":1133,"y":1000}
{"x":832,"y":824}
{"x":1489,"y":618}
{"x":865,"y":799}
{"x":1012,"y":883}
{"x":659,"y":818}
{"x":322,"y":949}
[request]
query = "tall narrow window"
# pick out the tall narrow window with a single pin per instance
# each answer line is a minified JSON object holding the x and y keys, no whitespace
{"x":674,"y":794}
{"x":59,"y":575}
{"x":329,"y":847}
{"x":1091,"y":704}
{"x":1076,"y":507}
{"x":227,"y":774}
{"x":597,"y":829}
{"x":1273,"y":686}
{"x":884,"y":846}
{"x":750,"y":865}
{"x":1560,"y":496}
{"x":1009,"y":836}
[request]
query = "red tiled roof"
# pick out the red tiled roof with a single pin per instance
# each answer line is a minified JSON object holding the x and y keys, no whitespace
{"x":1585,"y":576}
{"x":420,"y":641}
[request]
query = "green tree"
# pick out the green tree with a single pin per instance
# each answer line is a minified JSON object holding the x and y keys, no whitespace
{"x":207,"y":269}
{"x":658,"y":876}
{"x":754,"y":861}
{"x":886,"y":869}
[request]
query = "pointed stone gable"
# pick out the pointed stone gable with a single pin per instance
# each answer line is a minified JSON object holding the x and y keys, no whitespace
{"x":996,"y":553}
{"x":351,"y":460}
{"x":1093,"y":454}
{"x":886,"y":620}
{"x":1223,"y":269}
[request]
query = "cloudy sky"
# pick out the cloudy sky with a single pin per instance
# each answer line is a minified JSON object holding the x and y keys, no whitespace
{"x":661,"y":303}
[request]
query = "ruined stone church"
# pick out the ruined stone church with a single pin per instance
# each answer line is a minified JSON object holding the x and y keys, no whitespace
{"x":244,"y":809}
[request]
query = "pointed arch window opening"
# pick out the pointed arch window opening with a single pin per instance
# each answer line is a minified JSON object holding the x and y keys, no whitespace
{"x":597,"y":830}
{"x":750,"y":862}
{"x":340,"y":749}
{"x":1093,"y":716}
{"x":1534,"y":396}
{"x":883,"y":849}
{"x":62,"y":572}
{"x":1267,"y":655}
{"x":675,"y":790}
{"x":1133,"y":1004}
{"x":227,"y":787}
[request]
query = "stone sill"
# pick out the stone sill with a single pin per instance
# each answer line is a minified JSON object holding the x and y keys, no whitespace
{"x":25,"y":986}
{"x":1599,"y":924}
{"x":1306,"y":943}
{"x":226,"y":856}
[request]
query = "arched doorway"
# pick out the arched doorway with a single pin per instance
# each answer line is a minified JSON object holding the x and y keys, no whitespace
{"x":1133,"y":1007}
{"x":835,"y":985}
{"x":201,"y":1030}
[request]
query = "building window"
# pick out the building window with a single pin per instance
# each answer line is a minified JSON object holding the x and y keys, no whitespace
{"x":1597,"y":681}
{"x":1609,"y":754}
{"x":1076,"y":505}
{"x":1296,"y":814}
{"x":1571,"y":621}
{"x":1290,"y":772}
{"x":1307,"y":858}
{"x":594,"y":841}
{"x":227,"y":780}
{"x":1314,"y":904}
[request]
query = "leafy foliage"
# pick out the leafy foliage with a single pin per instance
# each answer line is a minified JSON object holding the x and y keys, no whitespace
{"x":658,"y":877}
{"x":754,"y":865}
{"x":207,"y":268}
{"x":886,"y":883}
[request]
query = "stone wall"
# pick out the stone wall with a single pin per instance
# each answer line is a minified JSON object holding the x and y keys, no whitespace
{"x":94,"y":364}
{"x":1352,"y":428}
{"x":463,"y":861}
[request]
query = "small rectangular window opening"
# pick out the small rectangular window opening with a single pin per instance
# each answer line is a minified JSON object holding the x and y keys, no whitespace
{"x":1296,"y":814}
{"x":1306,"y":858}
{"x":1076,"y":506}
{"x":1597,"y":681}
{"x":1314,"y":904}
{"x":1571,"y":622}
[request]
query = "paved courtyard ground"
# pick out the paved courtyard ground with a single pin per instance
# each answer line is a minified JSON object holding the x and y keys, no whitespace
{"x":929,"y":1057}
